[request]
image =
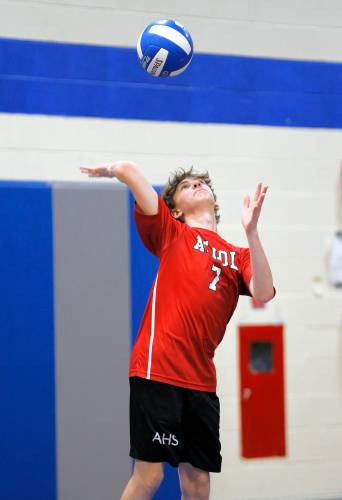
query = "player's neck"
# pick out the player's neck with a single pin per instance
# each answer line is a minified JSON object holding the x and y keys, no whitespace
{"x":204,"y":220}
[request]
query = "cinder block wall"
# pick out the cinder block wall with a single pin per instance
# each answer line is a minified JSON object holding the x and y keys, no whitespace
{"x":299,"y":216}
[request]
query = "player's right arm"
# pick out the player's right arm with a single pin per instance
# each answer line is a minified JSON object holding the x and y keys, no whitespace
{"x":128,"y":173}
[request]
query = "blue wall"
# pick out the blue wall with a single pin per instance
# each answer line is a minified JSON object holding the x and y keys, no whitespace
{"x":27,"y":386}
{"x":84,"y":80}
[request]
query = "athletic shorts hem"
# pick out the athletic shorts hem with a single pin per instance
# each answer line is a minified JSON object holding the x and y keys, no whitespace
{"x":206,"y":468}
{"x":138,"y":456}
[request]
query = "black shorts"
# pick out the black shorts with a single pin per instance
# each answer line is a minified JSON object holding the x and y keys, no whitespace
{"x":173,"y":424}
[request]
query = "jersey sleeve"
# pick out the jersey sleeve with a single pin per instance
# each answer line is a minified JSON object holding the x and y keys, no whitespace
{"x":245,"y":272}
{"x":157,"y":231}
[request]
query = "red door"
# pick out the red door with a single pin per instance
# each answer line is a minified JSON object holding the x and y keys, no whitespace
{"x":262,"y":390}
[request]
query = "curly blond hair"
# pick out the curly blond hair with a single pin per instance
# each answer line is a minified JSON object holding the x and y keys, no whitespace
{"x":177,"y":177}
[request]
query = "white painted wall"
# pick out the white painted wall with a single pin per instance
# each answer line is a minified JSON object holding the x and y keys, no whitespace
{"x":309,"y":29}
{"x":298,"y":220}
{"x":301,"y":168}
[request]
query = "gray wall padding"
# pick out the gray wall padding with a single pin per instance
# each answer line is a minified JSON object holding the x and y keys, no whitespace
{"x":92,"y":322}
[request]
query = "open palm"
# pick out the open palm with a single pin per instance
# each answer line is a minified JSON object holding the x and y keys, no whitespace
{"x":103,"y":170}
{"x":251,"y":209}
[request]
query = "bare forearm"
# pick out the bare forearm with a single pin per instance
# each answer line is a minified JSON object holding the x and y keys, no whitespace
{"x":128,"y":173}
{"x":143,"y":192}
{"x":262,"y":280}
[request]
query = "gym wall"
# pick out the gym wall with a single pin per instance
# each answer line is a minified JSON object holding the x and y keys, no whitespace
{"x":260,"y":102}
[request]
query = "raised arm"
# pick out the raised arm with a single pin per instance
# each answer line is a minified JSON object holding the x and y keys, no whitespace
{"x":128,"y":173}
{"x":261,"y":285}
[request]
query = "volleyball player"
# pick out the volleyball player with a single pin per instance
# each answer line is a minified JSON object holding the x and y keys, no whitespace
{"x":174,"y":408}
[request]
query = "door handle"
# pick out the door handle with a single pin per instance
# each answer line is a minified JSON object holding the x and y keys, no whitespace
{"x":246,"y":393}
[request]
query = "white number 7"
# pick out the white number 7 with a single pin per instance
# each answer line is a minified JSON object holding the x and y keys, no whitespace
{"x":213,"y":284}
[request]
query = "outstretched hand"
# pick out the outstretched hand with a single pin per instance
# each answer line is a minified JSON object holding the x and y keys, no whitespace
{"x":104,"y":170}
{"x":251,"y":210}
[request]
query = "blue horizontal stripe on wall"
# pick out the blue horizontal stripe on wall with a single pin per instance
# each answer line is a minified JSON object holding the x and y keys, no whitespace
{"x":108,"y":82}
{"x":27,"y":383}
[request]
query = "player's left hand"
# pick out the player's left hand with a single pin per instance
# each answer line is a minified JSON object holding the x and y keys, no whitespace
{"x":251,"y":210}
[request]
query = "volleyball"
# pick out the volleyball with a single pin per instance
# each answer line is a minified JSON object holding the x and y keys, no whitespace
{"x":165,"y":48}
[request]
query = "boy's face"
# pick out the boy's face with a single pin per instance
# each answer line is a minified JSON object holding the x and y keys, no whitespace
{"x":191,"y":194}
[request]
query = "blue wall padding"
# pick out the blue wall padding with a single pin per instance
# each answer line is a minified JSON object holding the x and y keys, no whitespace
{"x":144,"y":267}
{"x":108,"y":82}
{"x":27,"y":386}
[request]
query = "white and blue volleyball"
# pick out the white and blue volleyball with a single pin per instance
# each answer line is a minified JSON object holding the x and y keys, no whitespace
{"x":165,"y":48}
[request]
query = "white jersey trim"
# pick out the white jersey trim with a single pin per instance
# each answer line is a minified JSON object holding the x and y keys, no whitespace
{"x":152,"y":329}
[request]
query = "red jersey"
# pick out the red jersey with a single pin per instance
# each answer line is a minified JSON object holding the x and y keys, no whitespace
{"x":193,"y":297}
